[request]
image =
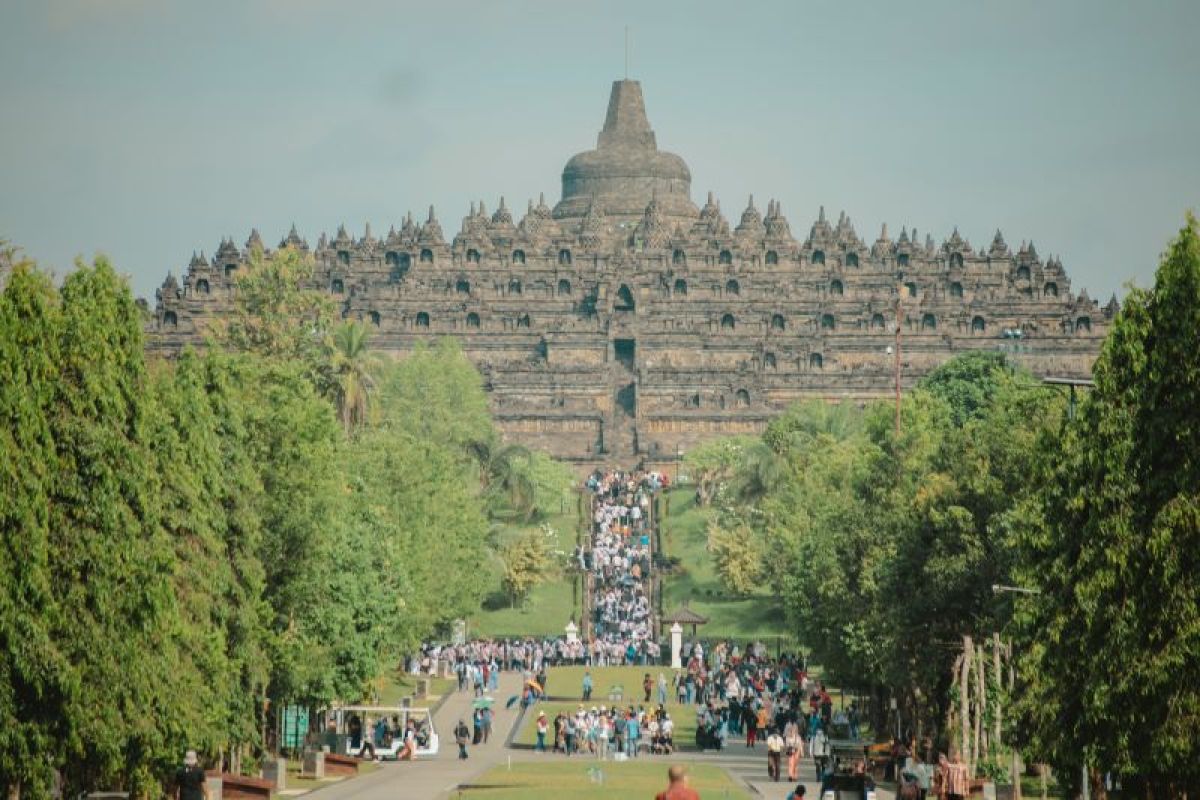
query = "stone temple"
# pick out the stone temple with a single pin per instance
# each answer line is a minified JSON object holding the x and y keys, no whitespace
{"x":627,"y":323}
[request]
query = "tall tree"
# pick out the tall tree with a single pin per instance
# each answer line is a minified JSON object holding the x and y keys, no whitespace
{"x":1113,"y":650}
{"x":111,"y":565}
{"x":277,"y":314}
{"x":354,"y":370}
{"x":38,"y":684}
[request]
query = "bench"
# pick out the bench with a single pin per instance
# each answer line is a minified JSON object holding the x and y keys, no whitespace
{"x":340,"y":765}
{"x":240,"y":787}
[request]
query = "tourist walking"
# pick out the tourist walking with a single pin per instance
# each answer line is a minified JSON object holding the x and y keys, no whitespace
{"x":542,"y":727}
{"x":793,"y":748}
{"x":774,"y":754}
{"x":954,"y":779}
{"x":485,"y":722}
{"x":587,"y":686}
{"x":190,"y":781}
{"x":462,"y":736}
{"x":820,"y":751}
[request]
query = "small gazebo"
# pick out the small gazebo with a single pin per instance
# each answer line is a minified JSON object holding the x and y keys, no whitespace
{"x":685,"y":616}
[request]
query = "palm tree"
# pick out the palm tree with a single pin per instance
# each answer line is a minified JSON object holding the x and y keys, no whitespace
{"x":759,"y":472}
{"x":507,"y":473}
{"x":354,"y":368}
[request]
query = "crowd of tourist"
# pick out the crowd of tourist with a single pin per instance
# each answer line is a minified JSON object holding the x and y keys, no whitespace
{"x":603,"y":732}
{"x":737,"y":694}
{"x":619,"y":561}
{"x":485,"y":658}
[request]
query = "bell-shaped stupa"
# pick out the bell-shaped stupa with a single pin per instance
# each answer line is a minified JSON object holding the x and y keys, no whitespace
{"x":627,"y":171}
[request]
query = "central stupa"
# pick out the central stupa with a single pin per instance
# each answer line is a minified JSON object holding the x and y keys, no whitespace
{"x":627,"y":170}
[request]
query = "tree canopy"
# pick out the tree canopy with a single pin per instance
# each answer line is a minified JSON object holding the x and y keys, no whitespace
{"x":1112,"y":663}
{"x":190,"y":545}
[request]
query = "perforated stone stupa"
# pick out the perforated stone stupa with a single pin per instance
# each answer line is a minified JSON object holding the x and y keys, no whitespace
{"x":628,"y":323}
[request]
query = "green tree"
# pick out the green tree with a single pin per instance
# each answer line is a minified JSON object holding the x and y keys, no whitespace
{"x":518,"y":483}
{"x":528,"y":560}
{"x":354,"y":368}
{"x":712,"y":464}
{"x":110,"y":563}
{"x":1112,"y":661}
{"x":276,"y":315}
{"x":38,"y":683}
{"x":738,"y":556}
{"x":239,"y":494}
{"x":436,"y":393}
{"x":293,"y":437}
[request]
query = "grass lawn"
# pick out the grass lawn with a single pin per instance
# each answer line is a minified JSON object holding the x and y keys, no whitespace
{"x":759,"y":616}
{"x":399,"y":685}
{"x":564,"y":686}
{"x":549,"y":606}
{"x":584,"y":780}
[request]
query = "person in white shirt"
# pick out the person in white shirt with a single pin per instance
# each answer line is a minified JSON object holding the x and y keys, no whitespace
{"x":774,"y":754}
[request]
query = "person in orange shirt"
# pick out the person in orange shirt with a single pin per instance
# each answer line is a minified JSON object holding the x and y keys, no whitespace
{"x":761,"y":721}
{"x":678,"y":788}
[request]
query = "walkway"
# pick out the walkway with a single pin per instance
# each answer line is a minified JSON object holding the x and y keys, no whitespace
{"x":438,"y":777}
{"x":750,"y":766}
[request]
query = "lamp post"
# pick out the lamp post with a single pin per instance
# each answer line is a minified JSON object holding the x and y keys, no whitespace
{"x":899,"y":321}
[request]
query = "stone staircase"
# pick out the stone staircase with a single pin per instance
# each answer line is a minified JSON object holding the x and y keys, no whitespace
{"x":621,"y":443}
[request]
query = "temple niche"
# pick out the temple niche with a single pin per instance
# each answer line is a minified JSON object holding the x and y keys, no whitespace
{"x":628,"y":323}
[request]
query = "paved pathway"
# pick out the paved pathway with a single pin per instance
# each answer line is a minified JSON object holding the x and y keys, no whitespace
{"x":438,"y":778}
{"x":750,"y":766}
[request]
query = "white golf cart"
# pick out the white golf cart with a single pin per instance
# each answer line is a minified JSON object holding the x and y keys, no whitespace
{"x":377,"y":732}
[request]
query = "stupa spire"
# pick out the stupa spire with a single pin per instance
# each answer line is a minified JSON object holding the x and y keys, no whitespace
{"x":626,"y":124}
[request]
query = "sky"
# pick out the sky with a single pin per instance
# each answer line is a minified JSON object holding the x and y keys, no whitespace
{"x":146,"y":129}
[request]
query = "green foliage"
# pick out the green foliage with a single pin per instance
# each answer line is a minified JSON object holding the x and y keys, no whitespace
{"x":1112,"y":661}
{"x":37,"y":682}
{"x":275,"y":316}
{"x":738,"y":557}
{"x":967,"y":383}
{"x":184,"y":541}
{"x":520,"y":484}
{"x":435,"y":393}
{"x":528,"y":560}
{"x":713,"y":463}
{"x":354,"y":368}
{"x":884,"y":550}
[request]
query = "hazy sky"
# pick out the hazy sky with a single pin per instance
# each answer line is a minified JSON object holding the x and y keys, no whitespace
{"x":146,"y":130}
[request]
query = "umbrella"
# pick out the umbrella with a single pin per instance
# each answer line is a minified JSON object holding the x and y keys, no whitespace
{"x":484,"y":702}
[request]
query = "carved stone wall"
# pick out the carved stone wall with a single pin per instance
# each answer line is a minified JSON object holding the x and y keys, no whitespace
{"x":605,"y":337}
